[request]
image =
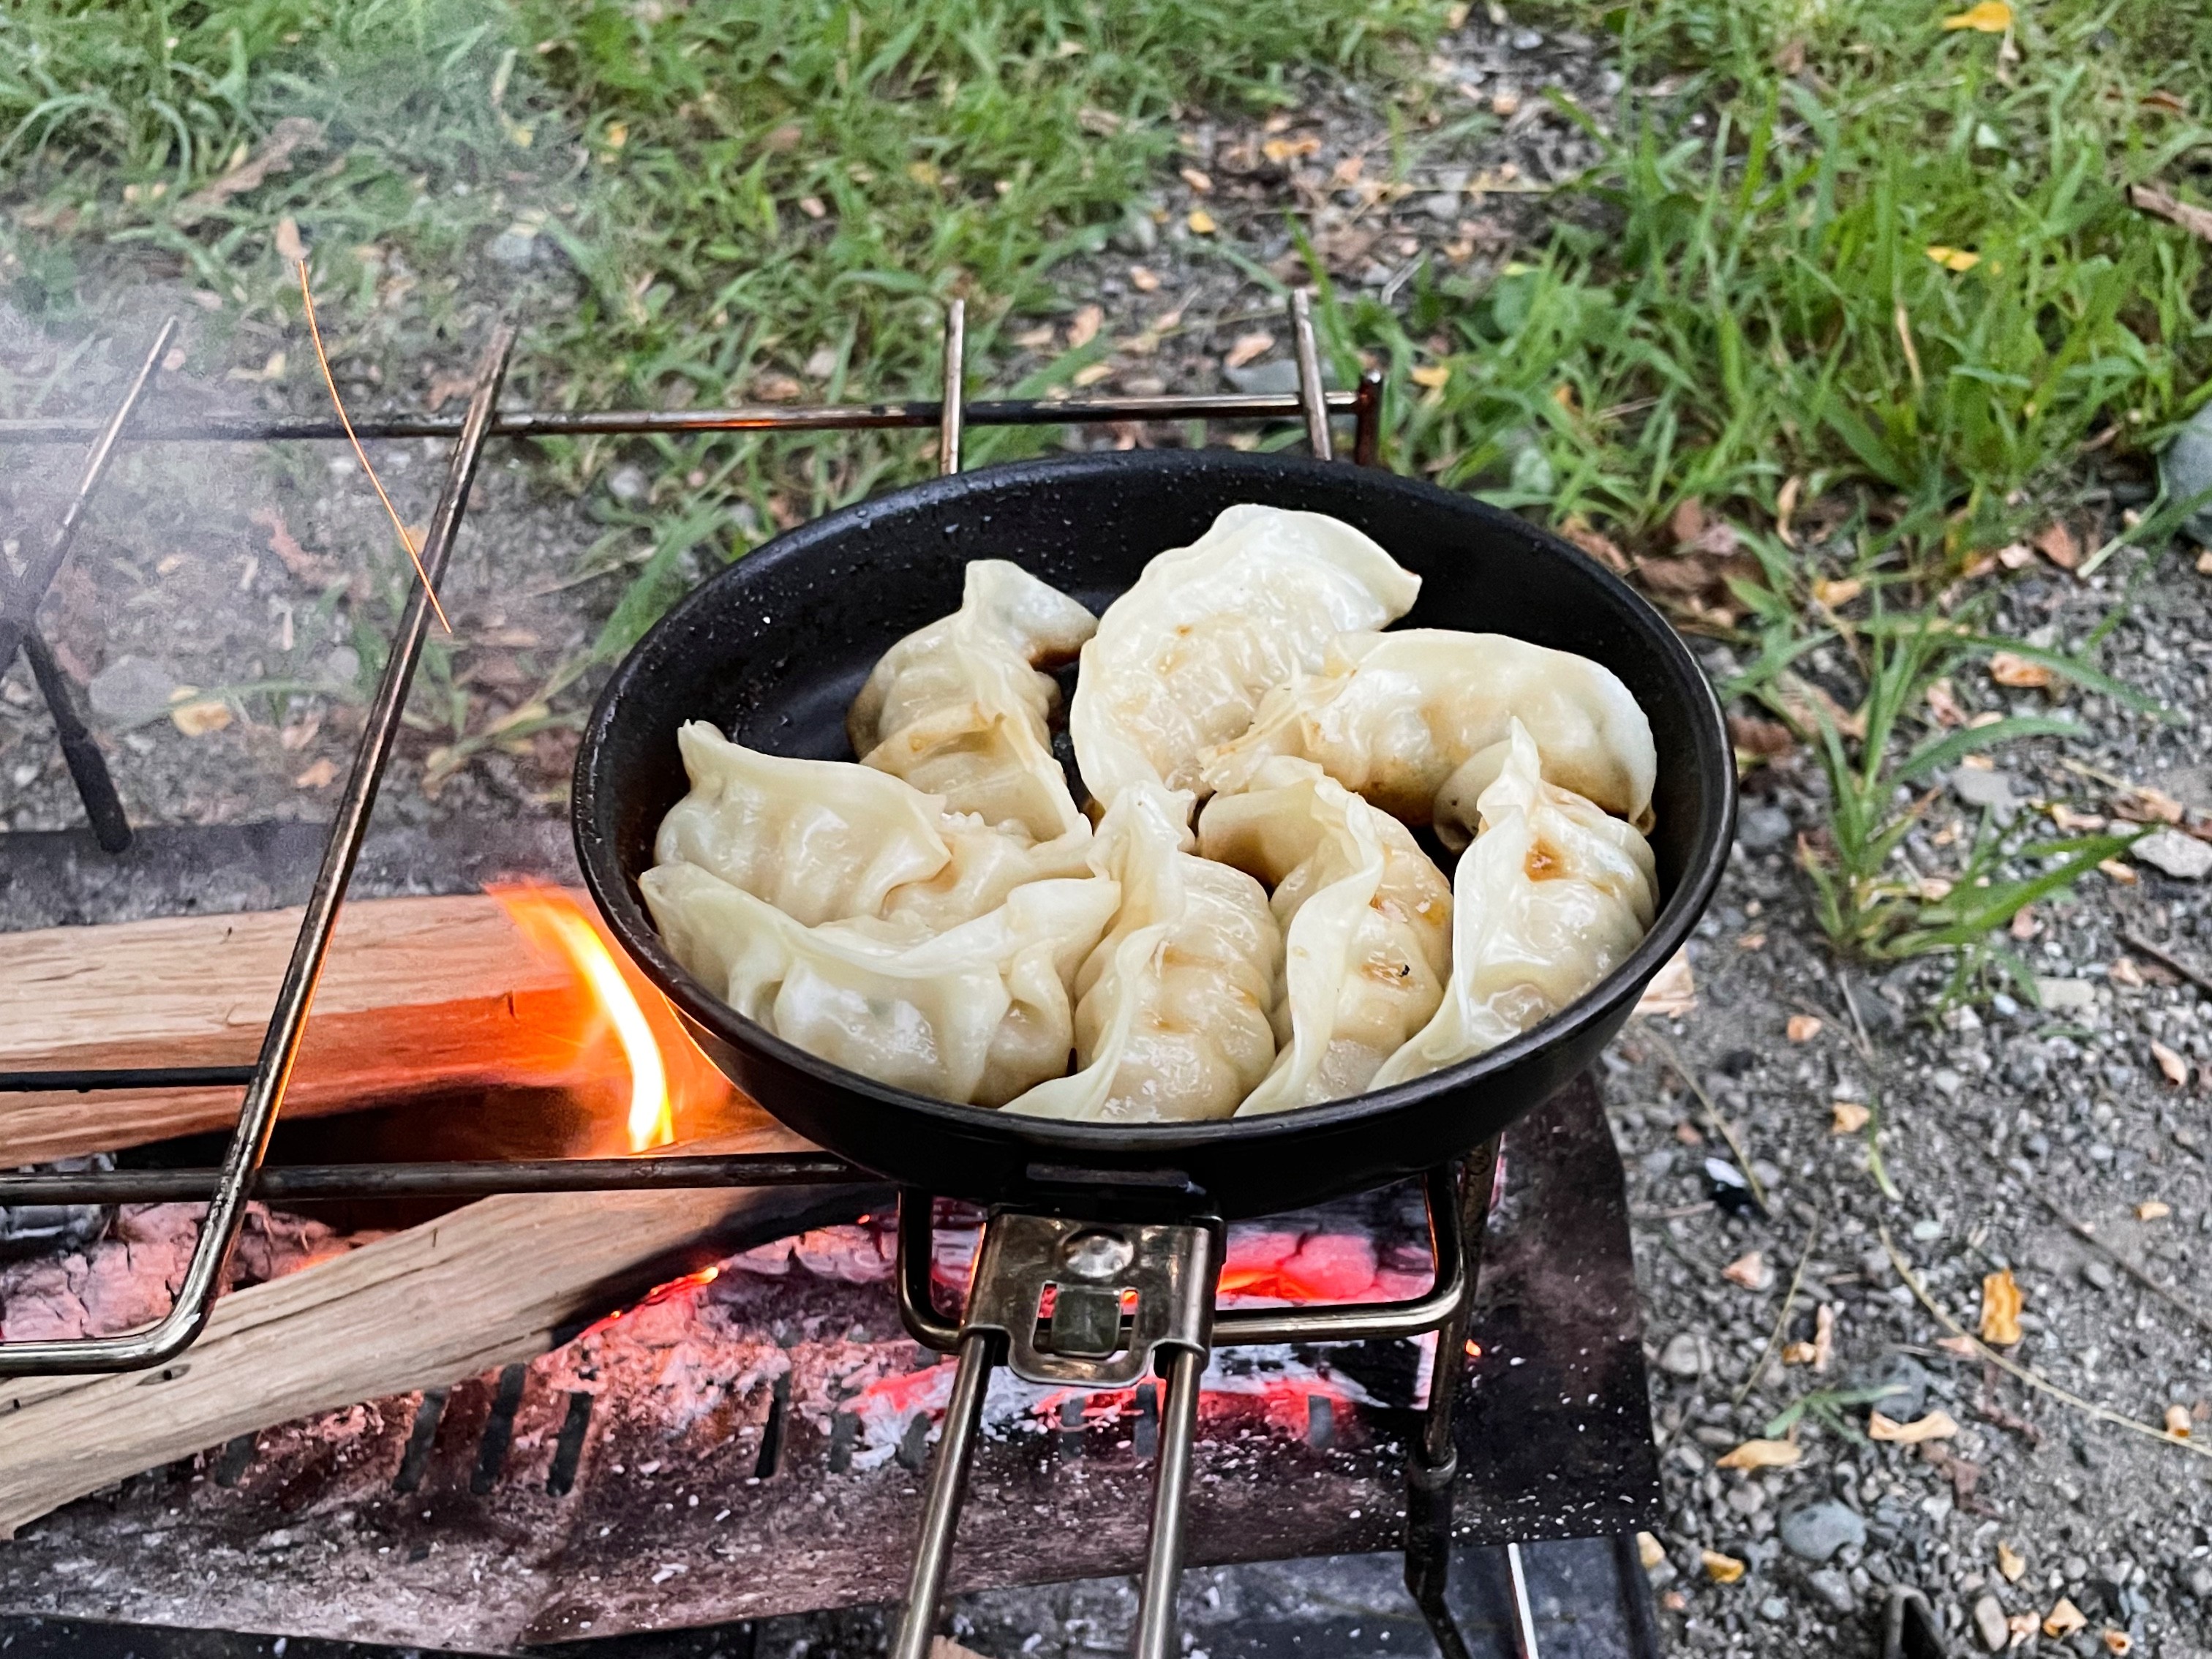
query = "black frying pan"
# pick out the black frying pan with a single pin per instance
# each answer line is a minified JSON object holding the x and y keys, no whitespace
{"x":772,"y":650}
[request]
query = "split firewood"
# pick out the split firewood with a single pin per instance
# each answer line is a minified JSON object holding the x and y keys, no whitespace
{"x":490,"y":1284}
{"x":418,"y":995}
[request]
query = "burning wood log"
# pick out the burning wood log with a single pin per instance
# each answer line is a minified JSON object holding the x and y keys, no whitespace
{"x":420,"y":995}
{"x":497,"y":1281}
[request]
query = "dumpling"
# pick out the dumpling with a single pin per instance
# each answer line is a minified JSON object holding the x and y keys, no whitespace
{"x":826,"y":840}
{"x":977,"y":1014}
{"x":1180,"y":661}
{"x":1366,"y":924}
{"x":959,"y":709}
{"x":1172,"y":1021}
{"x":1416,"y":721}
{"x":1551,"y":898}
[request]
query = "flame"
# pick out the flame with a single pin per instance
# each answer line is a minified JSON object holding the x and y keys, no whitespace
{"x":550,"y":917}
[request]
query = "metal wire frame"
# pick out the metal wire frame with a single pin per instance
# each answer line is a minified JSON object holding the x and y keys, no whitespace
{"x":240,"y":1176}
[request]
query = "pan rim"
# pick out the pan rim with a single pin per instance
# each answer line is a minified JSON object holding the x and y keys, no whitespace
{"x":614,"y":891}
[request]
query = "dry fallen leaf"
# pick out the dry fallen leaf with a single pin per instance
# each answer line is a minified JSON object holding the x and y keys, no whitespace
{"x":321,"y":775}
{"x":1197,"y":180}
{"x":2010,"y":668}
{"x":1833,"y":593}
{"x":2175,"y":1067}
{"x":1650,"y":1551}
{"x":1143,"y":279}
{"x":2002,"y":1299}
{"x":1938,"y":1425}
{"x":1201,"y":223}
{"x":1964,"y":1347}
{"x":2118,"y":1641}
{"x":1943,"y":703}
{"x":2177,"y":1421}
{"x":2010,"y":1562}
{"x":1247,"y":347}
{"x":1990,"y":17}
{"x":2063,"y":1620}
{"x":1432,"y":376}
{"x":1672,"y":993}
{"x":1802,"y":1028}
{"x":2140,"y":803}
{"x":2015,"y":556}
{"x":1749,"y":1270}
{"x":1954,"y":258}
{"x":2073,"y":822}
{"x":2152,"y":1209}
{"x":2021,"y":1626}
{"x":2119,"y":872}
{"x":288,"y":244}
{"x":1083,"y":327}
{"x":1091,"y":373}
{"x":1798,"y":1353}
{"x":2125,"y":972}
{"x":1762,"y":1455}
{"x":196,"y":716}
{"x":1724,"y":1569}
{"x":1850,"y":1117}
{"x":1824,"y":1336}
{"x":2057,"y":544}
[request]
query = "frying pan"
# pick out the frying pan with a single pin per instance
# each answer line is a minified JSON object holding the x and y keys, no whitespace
{"x":774,"y":649}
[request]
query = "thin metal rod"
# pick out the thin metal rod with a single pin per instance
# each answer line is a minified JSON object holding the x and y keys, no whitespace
{"x":1524,"y":1619}
{"x":20,"y":608}
{"x":1448,"y":1364}
{"x":956,"y":377}
{"x":88,"y":767}
{"x":948,"y":1484}
{"x":1359,"y":1321}
{"x":455,"y":1180}
{"x":132,"y":1077}
{"x":1367,"y":420}
{"x":678,"y":422}
{"x":280,"y":1046}
{"x":1165,"y":1546}
{"x":1313,"y":399}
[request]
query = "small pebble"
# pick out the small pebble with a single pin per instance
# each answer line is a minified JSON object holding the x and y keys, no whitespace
{"x":1819,"y":1530}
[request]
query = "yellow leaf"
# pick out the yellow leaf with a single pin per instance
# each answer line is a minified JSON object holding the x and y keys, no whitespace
{"x":1248,"y":347}
{"x":1762,"y":1455}
{"x":2063,"y":1620}
{"x":1648,"y":1551}
{"x":1954,"y":258}
{"x":1201,"y":223}
{"x":617,"y":134}
{"x":2002,"y":1299}
{"x":1091,"y":374}
{"x":1849,"y":1118}
{"x":321,"y":775}
{"x":1432,"y":375}
{"x":195,"y":719}
{"x":2010,"y":1562}
{"x":1802,"y":1028}
{"x":2009,"y":668}
{"x":1083,"y":327}
{"x":1721,"y":1568}
{"x":2152,"y":1209}
{"x":1990,"y":17}
{"x":1936,"y":1425}
{"x":1832,"y":593}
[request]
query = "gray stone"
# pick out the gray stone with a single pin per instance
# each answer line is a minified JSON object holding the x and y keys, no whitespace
{"x":1271,"y":379}
{"x":1443,"y":205}
{"x":2182,"y":857}
{"x":1819,"y":1530}
{"x":1763,"y":829}
{"x":627,"y":484}
{"x":515,"y":248}
{"x":1990,"y":1623}
{"x":2099,"y":1272}
{"x":1526,"y":39}
{"x":341,"y":666}
{"x":1684,"y":1356}
{"x":1834,"y":1589}
{"x":2066,"y":996}
{"x":2199,"y":1583}
{"x":2186,"y":469}
{"x":1874,"y":1265}
{"x":1907,"y":1376}
{"x":1774,"y":1609}
{"x":132,"y":689}
{"x":1992,"y":789}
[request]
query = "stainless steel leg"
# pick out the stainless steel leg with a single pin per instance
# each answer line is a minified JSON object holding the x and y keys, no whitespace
{"x":1524,"y":1620}
{"x":1163,"y":1550}
{"x":948,"y":1484}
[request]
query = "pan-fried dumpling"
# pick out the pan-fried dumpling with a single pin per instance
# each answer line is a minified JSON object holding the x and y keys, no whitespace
{"x":959,"y":709}
{"x":1366,"y":924}
{"x":1416,"y":721}
{"x":1180,"y":661}
{"x":1551,"y":898}
{"x":977,"y":1014}
{"x":825,"y":840}
{"x":1172,"y":1021}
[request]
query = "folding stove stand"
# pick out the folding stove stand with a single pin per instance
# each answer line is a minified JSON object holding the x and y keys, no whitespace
{"x":1174,"y":1323}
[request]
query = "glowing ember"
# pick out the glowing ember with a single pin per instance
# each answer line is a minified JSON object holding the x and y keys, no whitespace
{"x":551,"y":918}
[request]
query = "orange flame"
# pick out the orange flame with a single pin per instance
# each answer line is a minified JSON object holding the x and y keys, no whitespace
{"x":549,"y":917}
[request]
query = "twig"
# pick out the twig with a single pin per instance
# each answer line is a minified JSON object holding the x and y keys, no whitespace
{"x":2196,"y":976}
{"x":2012,"y":1368}
{"x":406,"y":536}
{"x":2088,"y":1235}
{"x":2149,"y":199}
{"x":1713,"y":1113}
{"x":1875,"y":1166}
{"x":1782,"y":1319}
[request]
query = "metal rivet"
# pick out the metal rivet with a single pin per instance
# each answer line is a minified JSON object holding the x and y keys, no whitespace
{"x":1096,"y":1255}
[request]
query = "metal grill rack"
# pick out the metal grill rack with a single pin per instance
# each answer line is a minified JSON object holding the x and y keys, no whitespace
{"x":1458,"y":1198}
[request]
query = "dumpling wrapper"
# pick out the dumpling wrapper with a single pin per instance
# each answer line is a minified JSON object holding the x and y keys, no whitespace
{"x":977,"y":1014}
{"x":1182,"y":661}
{"x":959,"y":709}
{"x":1366,"y":924}
{"x":828,"y":841}
{"x":1416,"y":721}
{"x":1554,"y":896}
{"x":1171,"y":1020}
